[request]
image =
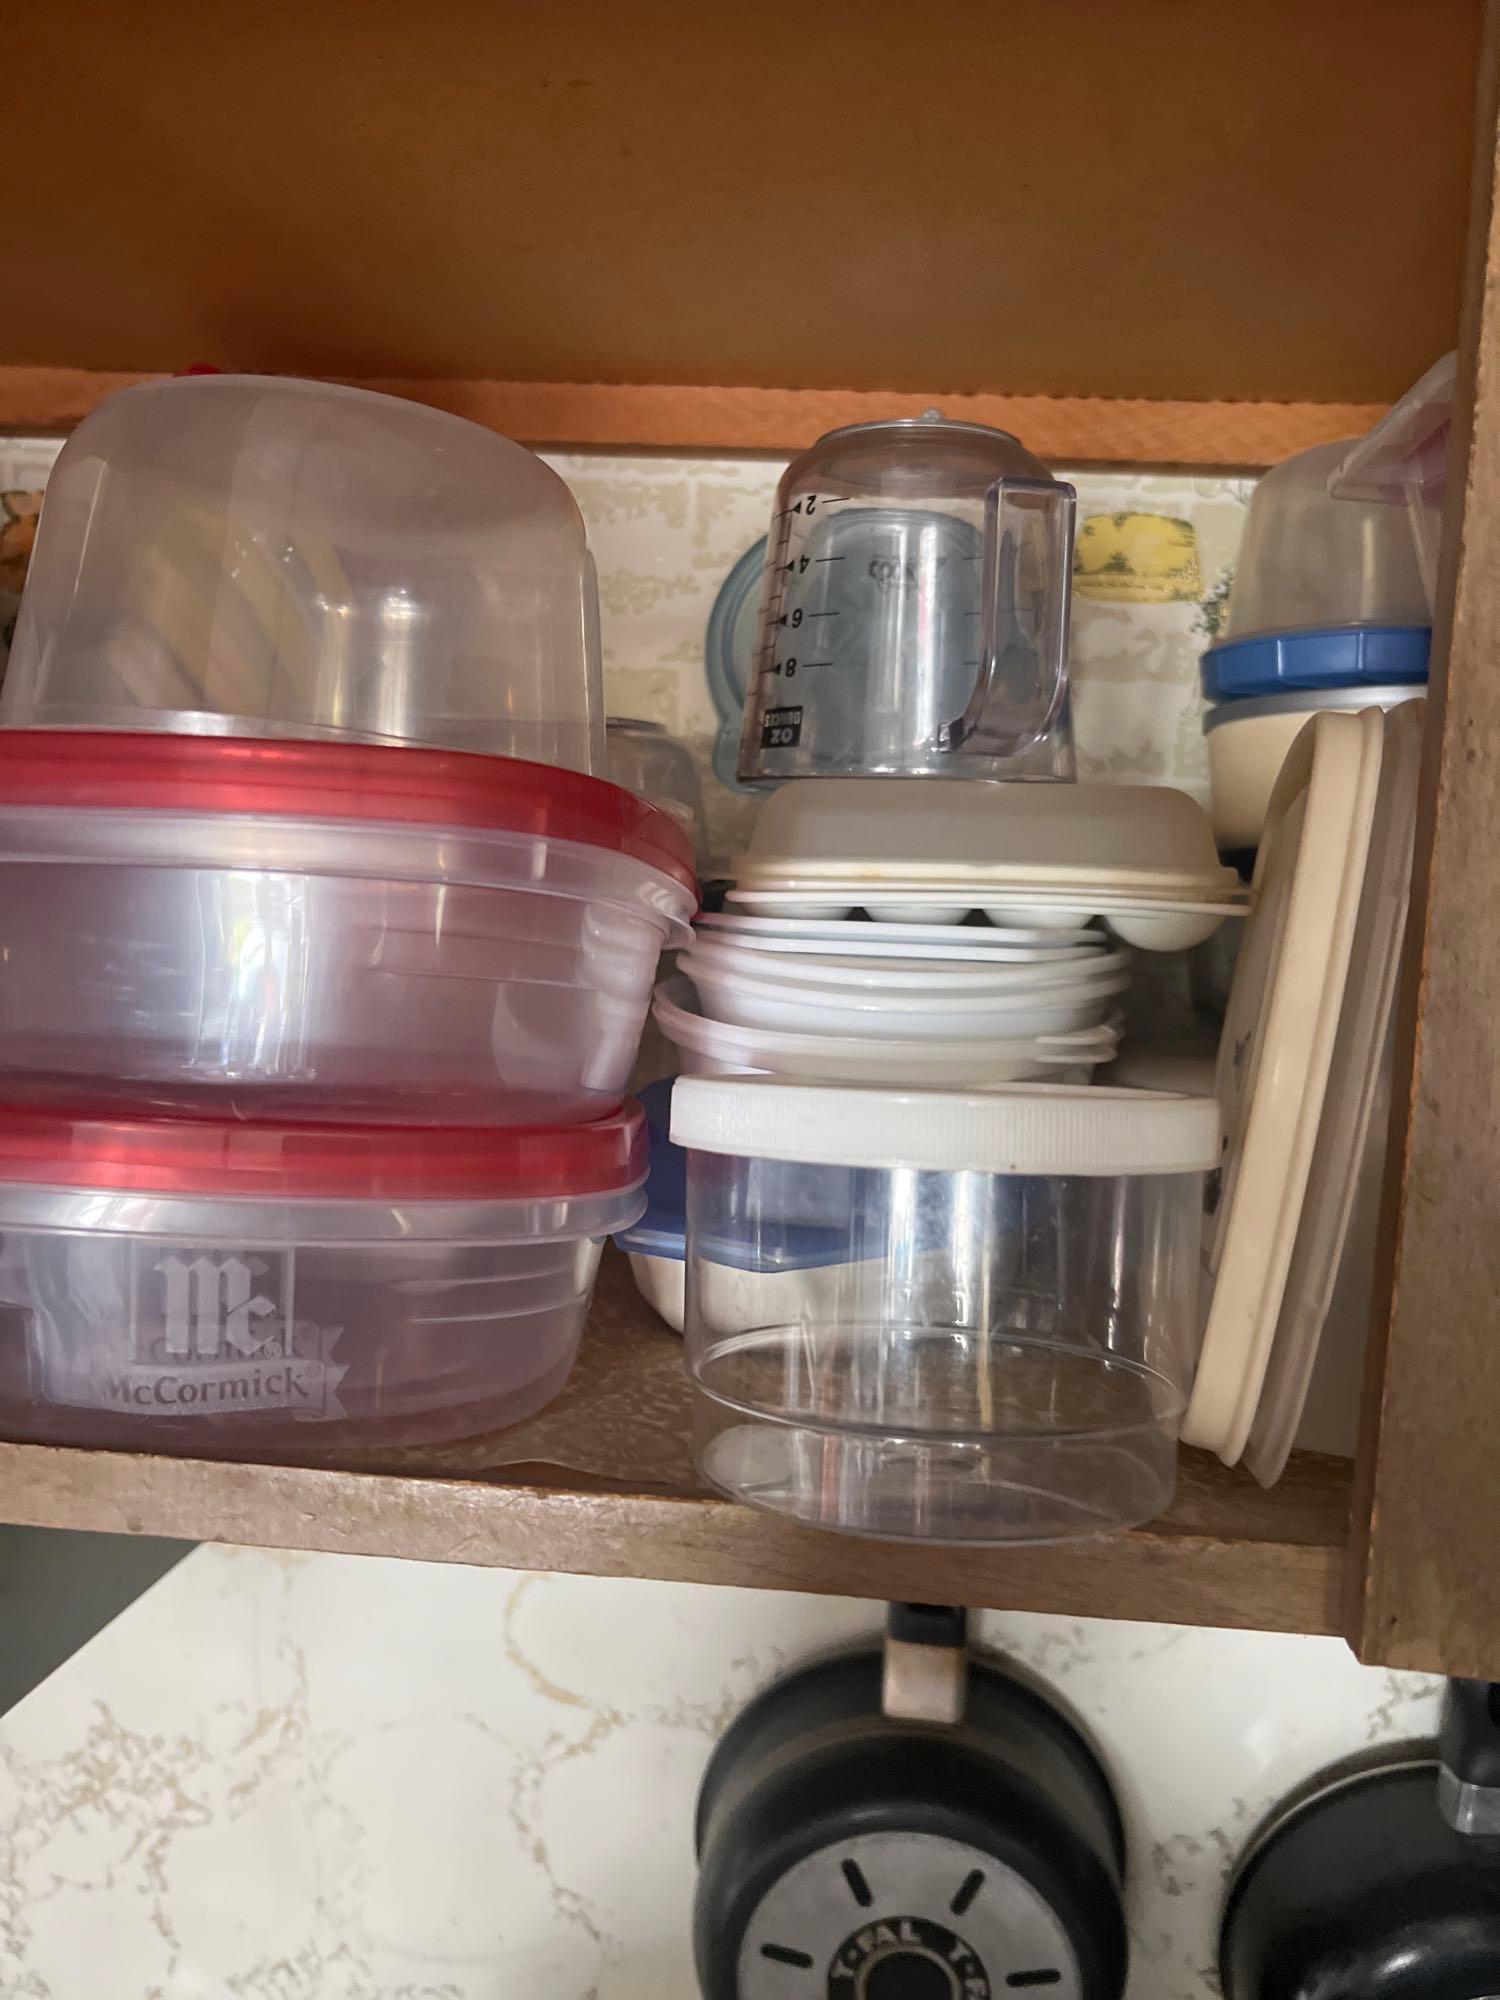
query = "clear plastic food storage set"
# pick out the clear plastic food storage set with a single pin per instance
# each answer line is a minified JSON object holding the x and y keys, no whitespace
{"x":327,"y":956}
{"x":941,"y":1276}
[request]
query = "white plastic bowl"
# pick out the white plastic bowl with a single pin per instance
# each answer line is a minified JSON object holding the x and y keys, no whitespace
{"x":1248,"y":741}
{"x":747,"y":1007}
{"x":833,"y":977}
{"x":326,"y":931}
{"x":1067,"y":947}
{"x":661,"y":1283}
{"x":721,"y":1048}
{"x":765,"y":1003}
{"x":847,"y":934}
{"x":186,"y":1286}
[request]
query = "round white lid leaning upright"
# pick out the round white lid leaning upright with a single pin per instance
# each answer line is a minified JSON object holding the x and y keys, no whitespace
{"x":1354,"y":1080}
{"x":1274,"y":1057}
{"x":1022,"y":1129}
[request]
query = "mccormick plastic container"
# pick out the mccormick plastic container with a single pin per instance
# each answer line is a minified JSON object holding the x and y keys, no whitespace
{"x":225,"y":1289}
{"x":1013,"y":1339}
{"x":328,"y":931}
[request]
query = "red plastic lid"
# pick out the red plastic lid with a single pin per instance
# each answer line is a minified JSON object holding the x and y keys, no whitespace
{"x":182,"y":1156}
{"x":318,"y":780}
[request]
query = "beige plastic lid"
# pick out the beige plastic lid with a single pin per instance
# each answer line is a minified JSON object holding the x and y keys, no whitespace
{"x":1354,"y":1085}
{"x":1275,"y":1056}
{"x":889,"y":833}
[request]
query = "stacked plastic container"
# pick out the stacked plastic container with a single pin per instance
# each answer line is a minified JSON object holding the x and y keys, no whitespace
{"x":1329,"y":610}
{"x":324,"y":955}
{"x":934,"y":1284}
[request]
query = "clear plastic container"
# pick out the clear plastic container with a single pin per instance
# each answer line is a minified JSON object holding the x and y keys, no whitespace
{"x":1002,"y":1353}
{"x":1403,"y":461}
{"x":457,"y":940}
{"x":1310,"y":561}
{"x":249,"y":555}
{"x":914,"y":614}
{"x":232,"y":1290}
{"x":644,"y":758}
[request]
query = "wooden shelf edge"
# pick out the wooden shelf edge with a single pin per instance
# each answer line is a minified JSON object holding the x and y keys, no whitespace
{"x":1068,"y":430}
{"x":1273,"y":1582}
{"x":1225,"y":1553}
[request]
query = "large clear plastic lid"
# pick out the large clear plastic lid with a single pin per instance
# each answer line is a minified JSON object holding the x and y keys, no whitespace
{"x":1310,"y":561}
{"x":247,"y":555}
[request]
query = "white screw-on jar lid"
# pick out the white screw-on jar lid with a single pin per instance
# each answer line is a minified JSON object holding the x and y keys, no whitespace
{"x":1022,"y":1129}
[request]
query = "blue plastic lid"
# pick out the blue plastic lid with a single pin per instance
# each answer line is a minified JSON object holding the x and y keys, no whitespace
{"x":655,"y":1236}
{"x":729,"y":655}
{"x":794,"y":1247}
{"x":1341,"y":656}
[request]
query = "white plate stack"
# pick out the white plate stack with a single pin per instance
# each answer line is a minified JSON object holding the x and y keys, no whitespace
{"x":963,"y":934}
{"x":916,"y":1003}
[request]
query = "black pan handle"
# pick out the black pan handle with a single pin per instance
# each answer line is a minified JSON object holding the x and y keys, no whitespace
{"x":1469,"y":1757}
{"x":926,"y":1674}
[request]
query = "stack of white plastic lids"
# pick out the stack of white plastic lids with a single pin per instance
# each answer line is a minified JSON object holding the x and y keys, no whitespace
{"x":1298,"y":1072}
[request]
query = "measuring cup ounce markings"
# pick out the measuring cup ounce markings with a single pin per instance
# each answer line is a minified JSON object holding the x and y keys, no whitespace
{"x":914,"y":610}
{"x":905,"y":586}
{"x":781,"y":726}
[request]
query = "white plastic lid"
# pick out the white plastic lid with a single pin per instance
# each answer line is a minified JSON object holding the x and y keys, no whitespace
{"x":1275,"y":1054}
{"x":1355,"y":1079}
{"x":888,"y":831}
{"x":254,"y":556}
{"x":1024,"y":1129}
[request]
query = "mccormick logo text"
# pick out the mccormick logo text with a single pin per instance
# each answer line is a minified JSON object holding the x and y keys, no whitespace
{"x":211,"y":1336}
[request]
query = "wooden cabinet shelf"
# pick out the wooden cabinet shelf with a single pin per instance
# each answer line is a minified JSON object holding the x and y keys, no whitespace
{"x":1135,"y":235}
{"x":1132,"y":234}
{"x":1227,"y":1553}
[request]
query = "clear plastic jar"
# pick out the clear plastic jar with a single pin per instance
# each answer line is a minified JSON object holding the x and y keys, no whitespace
{"x":1001,"y":1351}
{"x":1310,"y":561}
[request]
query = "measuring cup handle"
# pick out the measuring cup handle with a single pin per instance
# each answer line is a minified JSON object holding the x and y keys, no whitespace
{"x":1023,"y":617}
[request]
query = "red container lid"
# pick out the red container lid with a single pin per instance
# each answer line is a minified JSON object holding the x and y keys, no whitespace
{"x":393,"y":783}
{"x":197,"y":1157}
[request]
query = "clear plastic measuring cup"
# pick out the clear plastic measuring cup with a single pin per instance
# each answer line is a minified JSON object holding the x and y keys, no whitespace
{"x":914,"y":615}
